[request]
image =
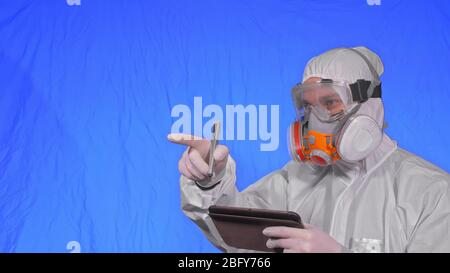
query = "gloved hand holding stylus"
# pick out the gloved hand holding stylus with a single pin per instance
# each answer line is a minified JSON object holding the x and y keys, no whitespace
{"x":194,"y":161}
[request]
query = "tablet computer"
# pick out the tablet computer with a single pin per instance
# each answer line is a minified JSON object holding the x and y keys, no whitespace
{"x":242,"y":227}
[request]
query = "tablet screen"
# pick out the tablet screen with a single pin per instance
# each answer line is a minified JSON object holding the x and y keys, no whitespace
{"x":242,"y":227}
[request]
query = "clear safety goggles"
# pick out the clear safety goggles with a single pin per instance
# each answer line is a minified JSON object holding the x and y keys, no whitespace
{"x":331,"y":100}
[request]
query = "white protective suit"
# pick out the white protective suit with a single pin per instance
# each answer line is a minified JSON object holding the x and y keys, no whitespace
{"x":392,"y":201}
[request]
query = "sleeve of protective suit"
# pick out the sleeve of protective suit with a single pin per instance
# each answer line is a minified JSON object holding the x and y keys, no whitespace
{"x":269,"y":192}
{"x":432,"y":229}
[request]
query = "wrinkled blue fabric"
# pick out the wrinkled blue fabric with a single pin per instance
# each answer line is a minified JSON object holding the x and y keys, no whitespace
{"x":86,"y":93}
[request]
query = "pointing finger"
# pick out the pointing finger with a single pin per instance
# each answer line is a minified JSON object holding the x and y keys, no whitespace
{"x":188,"y":140}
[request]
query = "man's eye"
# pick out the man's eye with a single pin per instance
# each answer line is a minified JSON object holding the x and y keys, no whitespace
{"x":331,"y":103}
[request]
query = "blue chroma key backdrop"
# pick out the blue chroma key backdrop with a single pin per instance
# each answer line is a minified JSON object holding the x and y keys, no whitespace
{"x":87,"y":89}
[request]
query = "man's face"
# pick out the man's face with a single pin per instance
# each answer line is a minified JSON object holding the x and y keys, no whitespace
{"x":322,"y":97}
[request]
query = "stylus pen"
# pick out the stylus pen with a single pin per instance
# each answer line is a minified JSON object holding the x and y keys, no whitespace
{"x":215,"y":136}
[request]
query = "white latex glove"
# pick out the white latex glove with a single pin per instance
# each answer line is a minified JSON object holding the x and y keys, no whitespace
{"x":194,"y":161}
{"x":296,"y":240}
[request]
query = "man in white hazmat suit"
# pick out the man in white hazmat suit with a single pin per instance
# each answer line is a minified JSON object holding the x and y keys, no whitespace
{"x":356,"y":190}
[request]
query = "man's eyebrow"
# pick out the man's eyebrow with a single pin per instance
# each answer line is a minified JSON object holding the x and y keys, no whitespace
{"x":334,"y":96}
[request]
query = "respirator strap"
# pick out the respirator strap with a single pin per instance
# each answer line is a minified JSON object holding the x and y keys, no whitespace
{"x":360,"y":90}
{"x":363,"y":90}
